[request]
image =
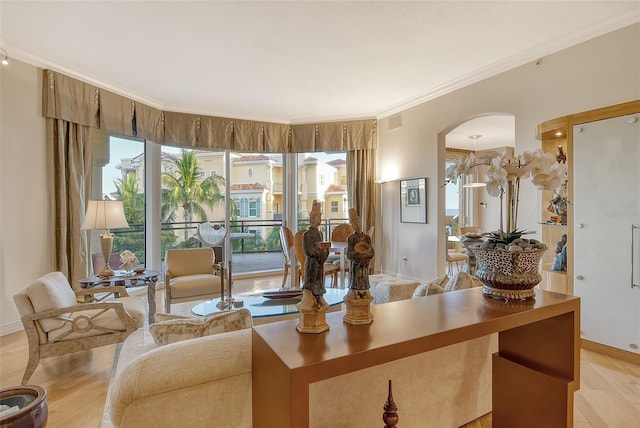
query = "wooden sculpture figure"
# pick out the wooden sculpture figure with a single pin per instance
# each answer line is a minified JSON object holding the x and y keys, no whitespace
{"x":360,"y":253}
{"x":316,"y":255}
{"x":313,"y":307}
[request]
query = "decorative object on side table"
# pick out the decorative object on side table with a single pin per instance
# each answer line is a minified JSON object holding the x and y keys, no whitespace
{"x":359,"y":252}
{"x":313,"y":308}
{"x":390,"y":415}
{"x":508,"y":264}
{"x":23,"y":406}
{"x":128,"y":261}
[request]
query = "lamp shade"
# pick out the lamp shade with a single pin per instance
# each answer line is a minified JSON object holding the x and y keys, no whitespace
{"x":104,"y":214}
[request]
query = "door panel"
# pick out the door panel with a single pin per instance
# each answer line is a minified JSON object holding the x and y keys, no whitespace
{"x":606,"y":205}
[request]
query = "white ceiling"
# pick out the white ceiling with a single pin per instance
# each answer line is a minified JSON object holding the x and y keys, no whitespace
{"x":295,"y":62}
{"x":495,"y":131}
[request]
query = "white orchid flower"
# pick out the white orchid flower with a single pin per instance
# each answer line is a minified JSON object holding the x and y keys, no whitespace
{"x":495,"y":168}
{"x":495,"y":185}
{"x":466,"y":166}
{"x":451,"y":174}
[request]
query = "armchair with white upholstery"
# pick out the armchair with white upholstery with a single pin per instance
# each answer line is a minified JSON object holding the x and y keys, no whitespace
{"x":190,"y":275}
{"x":59,"y":321}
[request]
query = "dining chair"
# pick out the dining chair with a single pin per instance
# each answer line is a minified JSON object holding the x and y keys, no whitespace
{"x":339,"y":234}
{"x":286,"y":243}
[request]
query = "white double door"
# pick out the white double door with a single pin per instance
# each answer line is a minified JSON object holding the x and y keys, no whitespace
{"x":607,"y":230}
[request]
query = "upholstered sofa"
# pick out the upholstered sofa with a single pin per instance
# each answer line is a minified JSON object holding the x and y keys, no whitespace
{"x":207,"y":381}
{"x":186,"y":383}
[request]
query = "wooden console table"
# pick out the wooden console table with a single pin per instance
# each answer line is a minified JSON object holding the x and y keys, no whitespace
{"x":535,"y":372}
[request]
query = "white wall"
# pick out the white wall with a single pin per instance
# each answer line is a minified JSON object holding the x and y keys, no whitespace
{"x":597,"y":73}
{"x":25,"y":236}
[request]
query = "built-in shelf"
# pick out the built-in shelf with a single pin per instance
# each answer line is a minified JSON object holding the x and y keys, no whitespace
{"x":552,"y":224}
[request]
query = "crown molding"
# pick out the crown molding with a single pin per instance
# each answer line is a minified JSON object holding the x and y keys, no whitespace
{"x":551,"y":47}
{"x":529,"y":55}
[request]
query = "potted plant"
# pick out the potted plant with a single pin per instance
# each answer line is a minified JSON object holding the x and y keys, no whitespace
{"x":508,"y":263}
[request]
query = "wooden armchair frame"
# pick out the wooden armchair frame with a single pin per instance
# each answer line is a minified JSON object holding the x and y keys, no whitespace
{"x":81,"y":323}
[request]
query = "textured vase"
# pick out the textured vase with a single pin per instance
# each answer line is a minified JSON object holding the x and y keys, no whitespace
{"x":509,"y":275}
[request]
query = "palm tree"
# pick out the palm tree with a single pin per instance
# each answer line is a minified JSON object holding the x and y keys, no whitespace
{"x":186,"y":189}
{"x":128,"y":191}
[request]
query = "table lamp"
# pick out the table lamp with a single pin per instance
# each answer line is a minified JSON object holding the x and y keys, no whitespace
{"x":105,"y":214}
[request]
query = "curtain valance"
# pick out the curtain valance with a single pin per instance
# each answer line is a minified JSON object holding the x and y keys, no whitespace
{"x":78,"y":102}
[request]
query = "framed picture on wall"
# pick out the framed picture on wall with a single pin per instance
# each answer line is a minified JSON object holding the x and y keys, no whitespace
{"x":413,"y":200}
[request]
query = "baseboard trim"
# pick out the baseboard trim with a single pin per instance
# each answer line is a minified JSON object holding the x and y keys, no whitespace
{"x":610,"y":351}
{"x":11,"y":327}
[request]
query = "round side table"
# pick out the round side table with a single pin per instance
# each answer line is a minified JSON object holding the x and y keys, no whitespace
{"x":32,"y":401}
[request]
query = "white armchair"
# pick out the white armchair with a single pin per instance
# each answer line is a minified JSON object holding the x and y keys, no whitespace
{"x":59,"y":321}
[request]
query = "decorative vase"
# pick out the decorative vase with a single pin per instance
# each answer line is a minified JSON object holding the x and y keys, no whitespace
{"x":509,"y":275}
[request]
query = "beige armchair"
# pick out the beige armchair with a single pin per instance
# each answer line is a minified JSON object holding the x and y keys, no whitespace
{"x":59,"y":321}
{"x":190,"y":275}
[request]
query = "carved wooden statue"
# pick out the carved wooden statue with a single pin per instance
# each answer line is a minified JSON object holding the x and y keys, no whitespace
{"x":317,"y":253}
{"x":313,"y":307}
{"x":360,"y":253}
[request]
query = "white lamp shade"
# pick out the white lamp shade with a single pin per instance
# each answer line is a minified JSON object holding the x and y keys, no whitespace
{"x":104,"y":214}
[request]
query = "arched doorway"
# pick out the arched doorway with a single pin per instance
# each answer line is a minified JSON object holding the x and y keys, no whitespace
{"x":466,"y":203}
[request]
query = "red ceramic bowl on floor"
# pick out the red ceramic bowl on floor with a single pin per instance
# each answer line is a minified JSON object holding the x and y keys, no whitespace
{"x":32,"y":401}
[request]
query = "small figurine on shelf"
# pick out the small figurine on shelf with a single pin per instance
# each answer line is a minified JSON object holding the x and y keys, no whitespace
{"x":560,"y":259}
{"x":558,"y":206}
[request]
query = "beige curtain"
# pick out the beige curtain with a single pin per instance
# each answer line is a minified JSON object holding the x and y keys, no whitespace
{"x":78,"y":102}
{"x":361,"y":173}
{"x":71,"y":157}
{"x":73,"y":108}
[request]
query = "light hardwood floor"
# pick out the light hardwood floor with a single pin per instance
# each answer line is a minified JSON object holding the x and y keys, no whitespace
{"x":76,"y":384}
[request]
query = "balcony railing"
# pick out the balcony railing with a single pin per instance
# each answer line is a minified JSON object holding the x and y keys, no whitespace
{"x":265,"y":239}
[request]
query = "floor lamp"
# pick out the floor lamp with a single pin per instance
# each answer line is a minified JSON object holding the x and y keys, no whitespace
{"x":105,"y":214}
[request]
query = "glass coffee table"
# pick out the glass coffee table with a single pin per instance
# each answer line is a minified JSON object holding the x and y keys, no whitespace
{"x":263,"y":308}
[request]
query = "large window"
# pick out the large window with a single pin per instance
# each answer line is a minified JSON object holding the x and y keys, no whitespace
{"x":193,"y":188}
{"x":188,"y":195}
{"x":322,"y":177}
{"x":118,"y":174}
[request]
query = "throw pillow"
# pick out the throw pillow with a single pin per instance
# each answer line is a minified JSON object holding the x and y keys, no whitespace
{"x":175,"y":330}
{"x":462,"y":280}
{"x":435,"y":286}
{"x":163,"y":316}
